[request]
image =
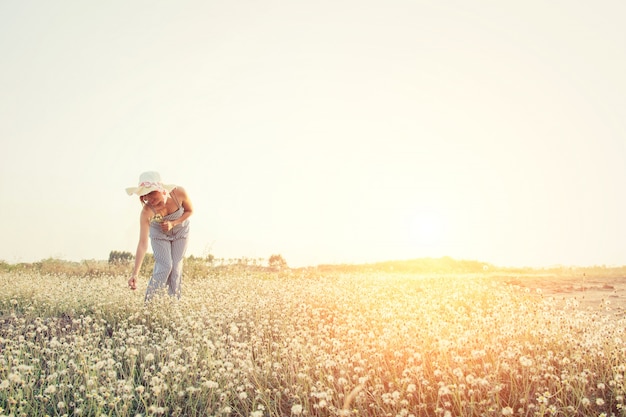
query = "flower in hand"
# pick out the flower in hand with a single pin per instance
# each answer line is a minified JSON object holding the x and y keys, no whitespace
{"x":167,"y":226}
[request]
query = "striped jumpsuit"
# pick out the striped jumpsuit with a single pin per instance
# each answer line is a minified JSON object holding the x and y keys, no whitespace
{"x":169,"y":251}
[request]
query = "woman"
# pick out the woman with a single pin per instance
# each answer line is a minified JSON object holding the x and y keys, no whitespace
{"x":164,"y":218}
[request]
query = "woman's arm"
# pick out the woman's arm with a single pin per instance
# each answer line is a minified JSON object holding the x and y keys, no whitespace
{"x":182,"y":196}
{"x":142,"y":246}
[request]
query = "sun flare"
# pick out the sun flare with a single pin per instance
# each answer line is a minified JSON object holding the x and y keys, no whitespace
{"x":426,"y":230}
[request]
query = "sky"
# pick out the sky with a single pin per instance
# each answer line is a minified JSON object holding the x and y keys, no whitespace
{"x":343,"y":131}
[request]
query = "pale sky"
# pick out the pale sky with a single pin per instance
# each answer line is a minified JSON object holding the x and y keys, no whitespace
{"x":325,"y":131}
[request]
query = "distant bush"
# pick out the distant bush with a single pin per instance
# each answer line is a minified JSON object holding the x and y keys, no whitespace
{"x":277,"y":262}
{"x":120,"y":257}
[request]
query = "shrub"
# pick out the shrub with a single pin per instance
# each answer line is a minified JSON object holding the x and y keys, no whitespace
{"x":120,"y":257}
{"x":277,"y":262}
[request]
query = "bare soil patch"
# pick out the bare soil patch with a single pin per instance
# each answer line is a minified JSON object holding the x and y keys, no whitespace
{"x":598,"y":292}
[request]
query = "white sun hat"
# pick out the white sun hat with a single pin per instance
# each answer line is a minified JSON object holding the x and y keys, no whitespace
{"x":150,"y":181}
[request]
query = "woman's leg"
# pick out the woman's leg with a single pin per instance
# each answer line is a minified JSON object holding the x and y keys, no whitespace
{"x":162,"y":250}
{"x":179,"y":247}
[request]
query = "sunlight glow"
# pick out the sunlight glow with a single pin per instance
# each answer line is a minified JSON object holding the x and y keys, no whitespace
{"x":426,"y":230}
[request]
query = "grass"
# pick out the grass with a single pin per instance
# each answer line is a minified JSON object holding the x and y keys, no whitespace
{"x":313,"y":342}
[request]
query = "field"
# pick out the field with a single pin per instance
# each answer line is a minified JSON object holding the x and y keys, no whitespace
{"x":253,"y":342}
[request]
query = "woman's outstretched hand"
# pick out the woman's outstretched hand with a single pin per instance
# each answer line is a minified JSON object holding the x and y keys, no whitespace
{"x":132,"y":283}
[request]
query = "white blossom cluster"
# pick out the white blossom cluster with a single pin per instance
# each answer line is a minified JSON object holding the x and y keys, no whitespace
{"x":257,"y":344}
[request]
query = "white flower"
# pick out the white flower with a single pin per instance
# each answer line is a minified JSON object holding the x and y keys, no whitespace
{"x":210,"y":384}
{"x":525,"y":361}
{"x":296,"y":409}
{"x":15,"y":378}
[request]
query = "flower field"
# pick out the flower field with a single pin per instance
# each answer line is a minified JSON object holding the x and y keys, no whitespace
{"x":259,"y":343}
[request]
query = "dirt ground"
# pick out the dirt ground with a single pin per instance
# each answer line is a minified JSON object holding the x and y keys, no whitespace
{"x":602,"y":293}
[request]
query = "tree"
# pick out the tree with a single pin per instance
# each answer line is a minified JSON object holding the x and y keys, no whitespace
{"x":277,"y":262}
{"x":120,"y":257}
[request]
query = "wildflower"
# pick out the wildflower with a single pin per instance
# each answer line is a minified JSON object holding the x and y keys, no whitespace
{"x":541,"y":399}
{"x":296,"y":409}
{"x":192,"y":390}
{"x":599,"y":402}
{"x":479,"y":354}
{"x":507,"y":411}
{"x":210,"y":384}
{"x":149,"y":357}
{"x":15,"y":378}
{"x":525,"y":361}
{"x":585,"y":402}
